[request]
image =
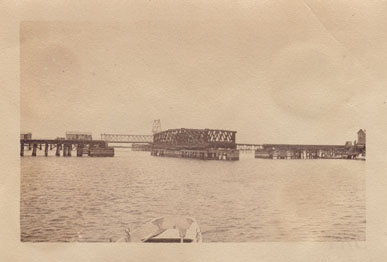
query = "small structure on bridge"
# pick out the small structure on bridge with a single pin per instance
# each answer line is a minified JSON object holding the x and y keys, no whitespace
{"x":196,"y":143}
{"x":25,"y":136}
{"x":74,"y":135}
{"x":361,"y":137}
{"x":156,"y":126}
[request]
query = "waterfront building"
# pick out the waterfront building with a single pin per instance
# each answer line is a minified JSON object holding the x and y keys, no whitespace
{"x":26,"y":136}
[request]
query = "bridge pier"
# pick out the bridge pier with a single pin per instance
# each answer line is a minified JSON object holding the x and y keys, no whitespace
{"x":46,"y":150}
{"x":34,"y":149}
{"x":22,"y":149}
{"x":69,"y":150}
{"x":79,"y":150}
{"x":57,"y":153}
{"x":64,"y":150}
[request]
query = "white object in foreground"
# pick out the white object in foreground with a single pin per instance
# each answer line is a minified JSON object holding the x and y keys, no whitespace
{"x":168,"y":229}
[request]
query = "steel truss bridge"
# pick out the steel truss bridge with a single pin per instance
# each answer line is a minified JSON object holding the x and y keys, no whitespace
{"x":121,"y":138}
{"x":195,"y":138}
{"x":189,"y":137}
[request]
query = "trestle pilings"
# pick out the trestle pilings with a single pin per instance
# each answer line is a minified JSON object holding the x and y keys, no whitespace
{"x":21,"y":149}
{"x":80,"y":150}
{"x":64,"y":150}
{"x":46,"y":149}
{"x":58,"y":147}
{"x":98,"y":147}
{"x":34,"y":147}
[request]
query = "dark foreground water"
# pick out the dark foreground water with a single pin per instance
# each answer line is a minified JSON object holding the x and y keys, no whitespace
{"x":95,"y":199}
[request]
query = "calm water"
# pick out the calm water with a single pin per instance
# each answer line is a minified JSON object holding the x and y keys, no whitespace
{"x":95,"y":199}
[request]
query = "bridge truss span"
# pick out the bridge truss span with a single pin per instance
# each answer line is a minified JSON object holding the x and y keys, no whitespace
{"x":123,"y":138}
{"x":195,"y":138}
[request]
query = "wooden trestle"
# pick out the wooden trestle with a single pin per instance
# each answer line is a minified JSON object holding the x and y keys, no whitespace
{"x":286,"y":151}
{"x":88,"y":147}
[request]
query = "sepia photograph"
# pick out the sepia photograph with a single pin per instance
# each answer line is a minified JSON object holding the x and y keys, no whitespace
{"x":190,"y":130}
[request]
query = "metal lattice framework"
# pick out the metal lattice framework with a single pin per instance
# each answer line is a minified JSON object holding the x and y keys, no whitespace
{"x":156,"y":126}
{"x":195,"y":138}
{"x":121,"y":138}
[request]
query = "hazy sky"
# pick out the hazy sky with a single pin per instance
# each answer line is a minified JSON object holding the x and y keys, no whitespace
{"x":278,"y":76}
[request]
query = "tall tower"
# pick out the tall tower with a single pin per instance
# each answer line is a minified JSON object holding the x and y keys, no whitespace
{"x":156,"y":126}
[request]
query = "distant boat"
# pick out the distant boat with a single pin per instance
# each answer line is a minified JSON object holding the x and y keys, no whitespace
{"x":167,"y":229}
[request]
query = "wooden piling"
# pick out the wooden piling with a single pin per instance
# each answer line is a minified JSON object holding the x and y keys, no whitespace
{"x":34,"y":149}
{"x":57,"y":153}
{"x":69,"y":150}
{"x":64,"y":150}
{"x":22,"y":149}
{"x":79,"y":150}
{"x":46,"y":150}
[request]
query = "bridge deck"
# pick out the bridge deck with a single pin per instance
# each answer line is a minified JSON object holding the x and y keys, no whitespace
{"x":59,"y":141}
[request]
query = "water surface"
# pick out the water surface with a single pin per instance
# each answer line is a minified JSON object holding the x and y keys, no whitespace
{"x":95,"y":199}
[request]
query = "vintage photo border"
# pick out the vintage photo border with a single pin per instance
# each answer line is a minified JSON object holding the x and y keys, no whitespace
{"x":373,"y":249}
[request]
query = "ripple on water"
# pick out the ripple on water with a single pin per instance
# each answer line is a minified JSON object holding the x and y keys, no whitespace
{"x":88,"y":199}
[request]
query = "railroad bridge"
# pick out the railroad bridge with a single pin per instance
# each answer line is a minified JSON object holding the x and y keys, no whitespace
{"x":89,"y":147}
{"x":144,"y":142}
{"x":293,"y":151}
{"x":196,"y":143}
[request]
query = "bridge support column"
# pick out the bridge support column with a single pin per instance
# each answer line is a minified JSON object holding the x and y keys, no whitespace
{"x":79,"y":150}
{"x":46,"y":150}
{"x":64,"y":150}
{"x":34,"y":149}
{"x":57,"y":153}
{"x":69,"y":150}
{"x":22,"y":149}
